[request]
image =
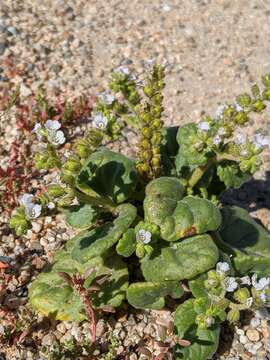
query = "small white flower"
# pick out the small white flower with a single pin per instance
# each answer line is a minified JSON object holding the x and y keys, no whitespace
{"x":107,"y":98}
{"x":261,"y":141}
{"x":245,"y":280}
{"x":52,"y":125}
{"x":238,"y":107}
{"x":217,"y":140}
{"x":209,"y":321}
{"x":33,"y":211}
{"x":219,"y":112}
{"x":37,"y":129}
{"x":262,"y":284}
{"x":56,"y":137}
{"x":123,"y":70}
{"x":230,"y":284}
{"x":203,"y":126}
{"x":26,"y":199}
{"x":263,"y":297}
{"x":244,"y":153}
{"x":144,"y":236}
{"x":222,"y":267}
{"x":100,"y":121}
{"x":51,"y":205}
{"x":221,"y":131}
{"x":240,"y":139}
{"x":249,"y":302}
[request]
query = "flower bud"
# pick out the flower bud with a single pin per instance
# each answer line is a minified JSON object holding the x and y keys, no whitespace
{"x":244,"y":100}
{"x":55,"y":191}
{"x":233,"y":315}
{"x":145,"y":144}
{"x":146,"y":132}
{"x":266,"y":80}
{"x":258,"y":106}
{"x":73,"y":165}
{"x":156,"y":160}
{"x":146,"y":155}
{"x":240,"y":118}
{"x":140,"y":251}
{"x":156,"y":124}
{"x":82,"y":149}
{"x":241,"y":295}
{"x":149,"y":91}
{"x":266,"y":94}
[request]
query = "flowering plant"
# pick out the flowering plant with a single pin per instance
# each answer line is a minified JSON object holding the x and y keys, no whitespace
{"x":154,"y":222}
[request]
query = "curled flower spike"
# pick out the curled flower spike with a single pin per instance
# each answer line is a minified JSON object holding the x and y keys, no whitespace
{"x":52,"y":125}
{"x":262,"y":284}
{"x":222,"y":267}
{"x":220,"y":111}
{"x":107,"y":98}
{"x":100,"y":121}
{"x":203,"y":126}
{"x":261,"y":141}
{"x":144,"y":236}
{"x":32,"y":210}
{"x":230,"y":284}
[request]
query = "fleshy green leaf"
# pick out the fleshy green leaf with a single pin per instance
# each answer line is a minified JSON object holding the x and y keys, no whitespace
{"x":50,"y":295}
{"x":197,"y":287}
{"x":127,"y":244}
{"x":169,"y":149}
{"x":230,"y":173}
{"x":178,"y":218}
{"x":81,"y":216}
{"x":204,"y":342}
{"x":99,"y":240}
{"x":182,"y":260}
{"x":150,"y":295}
{"x":187,"y":137}
{"x":108,"y":174}
{"x":246,"y":240}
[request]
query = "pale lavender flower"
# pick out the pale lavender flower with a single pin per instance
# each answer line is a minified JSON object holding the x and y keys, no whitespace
{"x":222,"y":267}
{"x":52,"y":125}
{"x":261,"y":141}
{"x":229,"y":284}
{"x":240,"y":139}
{"x":50,"y":205}
{"x":107,"y":98}
{"x":217,"y":140}
{"x":32,"y":210}
{"x":263,"y":297}
{"x":26,"y":199}
{"x":245,"y":280}
{"x":203,"y":126}
{"x":37,"y":129}
{"x":238,"y":107}
{"x":144,"y":236}
{"x":219,"y":112}
{"x":262,"y":284}
{"x":100,"y":121}
{"x":56,"y":137}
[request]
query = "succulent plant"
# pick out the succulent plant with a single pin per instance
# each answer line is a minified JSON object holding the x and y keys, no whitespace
{"x":153,"y":222}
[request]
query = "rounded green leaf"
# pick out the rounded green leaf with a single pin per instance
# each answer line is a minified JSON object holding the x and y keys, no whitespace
{"x":81,"y":216}
{"x":127,"y":244}
{"x":246,"y":241}
{"x":182,"y":260}
{"x":204,"y":342}
{"x":150,"y":295}
{"x":108,"y":174}
{"x":99,"y":240}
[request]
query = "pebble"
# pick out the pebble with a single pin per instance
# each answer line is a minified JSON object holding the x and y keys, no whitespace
{"x":48,"y":339}
{"x":243,"y":339}
{"x":253,"y":335}
{"x":3,"y":46}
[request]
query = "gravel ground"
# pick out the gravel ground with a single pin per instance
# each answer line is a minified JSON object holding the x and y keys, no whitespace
{"x":213,"y":50}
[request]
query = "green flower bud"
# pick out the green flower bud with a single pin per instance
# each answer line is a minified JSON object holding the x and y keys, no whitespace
{"x":82,"y":148}
{"x":156,"y":138}
{"x":55,"y":191}
{"x":156,"y":160}
{"x":233,"y":316}
{"x":140,"y":251}
{"x":266,"y":94}
{"x":144,"y":168}
{"x":156,"y":124}
{"x":244,"y":100}
{"x":146,"y":155}
{"x":255,"y":90}
{"x":149,"y":91}
{"x":73,"y":165}
{"x":146,"y":132}
{"x":258,"y":106}
{"x":266,"y":80}
{"x":240,"y":118}
{"x":241,"y":295}
{"x":145,"y":144}
{"x":204,"y":321}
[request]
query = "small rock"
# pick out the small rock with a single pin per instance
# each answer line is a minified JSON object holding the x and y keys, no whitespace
{"x":101,"y":328}
{"x":243,"y":339}
{"x":133,"y":356}
{"x":61,"y":327}
{"x":253,"y":335}
{"x":48,"y":340}
{"x":3,"y":46}
{"x":266,"y":332}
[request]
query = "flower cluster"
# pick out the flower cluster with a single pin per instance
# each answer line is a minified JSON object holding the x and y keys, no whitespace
{"x":51,"y":132}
